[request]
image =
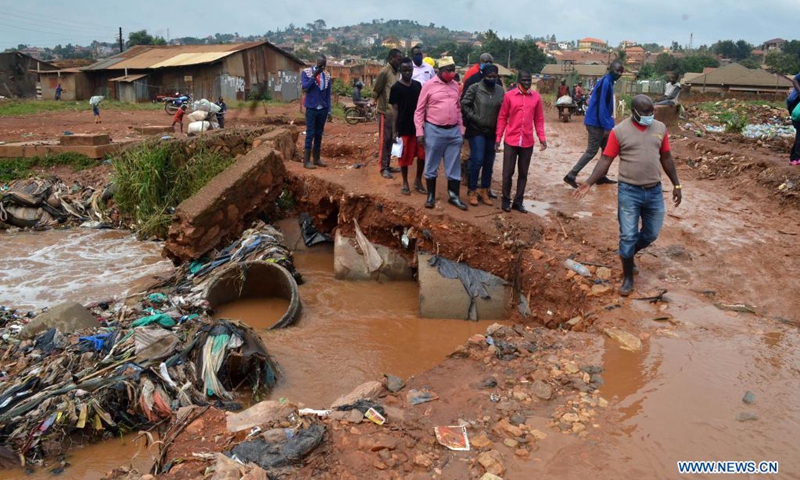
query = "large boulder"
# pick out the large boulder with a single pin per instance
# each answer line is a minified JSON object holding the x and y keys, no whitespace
{"x":67,"y":318}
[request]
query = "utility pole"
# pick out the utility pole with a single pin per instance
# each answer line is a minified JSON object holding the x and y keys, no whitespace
{"x":121,"y":44}
{"x":509,"y":60}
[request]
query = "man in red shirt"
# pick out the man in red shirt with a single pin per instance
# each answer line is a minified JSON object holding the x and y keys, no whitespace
{"x":642,"y":144}
{"x":521,"y":111}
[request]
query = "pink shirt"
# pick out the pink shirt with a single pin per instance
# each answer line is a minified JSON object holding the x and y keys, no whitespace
{"x":439,"y":103}
{"x":518,"y":115}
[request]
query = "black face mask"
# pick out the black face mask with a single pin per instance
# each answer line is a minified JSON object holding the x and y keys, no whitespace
{"x":417,"y":59}
{"x":526,"y":84}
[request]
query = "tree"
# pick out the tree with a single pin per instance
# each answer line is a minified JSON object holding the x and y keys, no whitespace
{"x":676,"y":47}
{"x":696,"y":64}
{"x":647,"y":71}
{"x":334,"y":49}
{"x":652,"y":47}
{"x":743,"y":50}
{"x":783,"y":63}
{"x":621,"y":55}
{"x":750,"y":62}
{"x":319,"y":24}
{"x":143,"y":38}
{"x":665,"y":63}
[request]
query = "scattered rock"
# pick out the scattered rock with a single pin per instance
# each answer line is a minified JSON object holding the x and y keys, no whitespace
{"x":379,"y":465}
{"x":542,"y":390}
{"x":489,"y":382}
{"x":355,"y":416}
{"x":263,"y":413}
{"x":377,"y":442}
{"x":597,"y":379}
{"x":480,"y":441}
{"x":572,"y":367}
{"x":423,"y":460}
{"x":492,"y":462}
{"x":602,"y":402}
{"x":537,"y":254}
{"x":511,"y":443}
{"x":521,"y":396}
{"x":747,"y":417}
{"x":366,"y":391}
{"x":599,"y":289}
{"x":394,"y":384}
{"x":522,"y":453}
{"x":570,"y":417}
{"x":67,"y":317}
{"x":517,"y":419}
{"x":490,"y":476}
{"x":749,"y":397}
{"x":537,"y":434}
{"x":626,"y":340}
{"x":574,"y":321}
{"x":578,"y":427}
{"x":494,"y":328}
{"x":603,"y":273}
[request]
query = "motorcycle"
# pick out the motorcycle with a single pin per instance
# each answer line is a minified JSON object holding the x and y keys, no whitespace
{"x":355,"y":114}
{"x":172,"y":104}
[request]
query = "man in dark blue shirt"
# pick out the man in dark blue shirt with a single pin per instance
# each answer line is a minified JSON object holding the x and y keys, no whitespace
{"x":317,"y":86}
{"x":599,"y":121}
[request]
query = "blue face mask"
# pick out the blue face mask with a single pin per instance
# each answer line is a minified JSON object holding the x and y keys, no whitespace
{"x":481,"y":65}
{"x":645,"y":120}
{"x":417,"y":59}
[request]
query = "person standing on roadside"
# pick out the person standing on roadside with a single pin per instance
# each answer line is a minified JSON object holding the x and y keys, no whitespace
{"x":403,"y":98}
{"x":59,"y":91}
{"x":599,"y":122}
{"x":481,"y":105}
{"x":791,"y":103}
{"x":381,"y":91}
{"x":642,"y":144}
{"x":422,"y":71}
{"x":521,"y":111}
{"x":476,"y":72}
{"x":223,"y":107}
{"x":316,"y":83}
{"x":438,"y":125}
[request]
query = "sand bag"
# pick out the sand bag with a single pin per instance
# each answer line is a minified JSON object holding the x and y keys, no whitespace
{"x":197,"y":116}
{"x":198,"y":127}
{"x":564,"y":100}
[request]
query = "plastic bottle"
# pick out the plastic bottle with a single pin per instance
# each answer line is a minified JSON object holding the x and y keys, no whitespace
{"x":577,"y":267}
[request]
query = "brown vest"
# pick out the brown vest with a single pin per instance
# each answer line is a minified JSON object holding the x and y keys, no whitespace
{"x":640,"y":152}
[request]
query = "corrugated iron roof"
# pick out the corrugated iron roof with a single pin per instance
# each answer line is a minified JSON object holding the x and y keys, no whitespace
{"x":735,"y":74}
{"x":128,"y":78}
{"x":145,"y":57}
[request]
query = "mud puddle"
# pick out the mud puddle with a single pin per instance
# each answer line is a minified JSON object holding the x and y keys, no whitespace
{"x":92,"y":461}
{"x":681,"y":397}
{"x":353,"y":332}
{"x":39,"y":269}
{"x":259,"y":313}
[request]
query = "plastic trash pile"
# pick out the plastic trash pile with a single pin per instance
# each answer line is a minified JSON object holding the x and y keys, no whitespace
{"x":203,"y":117}
{"x":40,"y":203}
{"x":768,"y":130}
{"x":137,"y":367}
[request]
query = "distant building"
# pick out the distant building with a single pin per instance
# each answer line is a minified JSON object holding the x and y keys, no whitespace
{"x":593,"y":45}
{"x":392,"y":42}
{"x":736,"y":78}
{"x":774,"y":44}
{"x":20,"y":75}
{"x":581,"y":58}
{"x":232,"y":71}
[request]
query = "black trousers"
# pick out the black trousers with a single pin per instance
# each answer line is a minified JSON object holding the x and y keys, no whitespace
{"x":513,"y":157}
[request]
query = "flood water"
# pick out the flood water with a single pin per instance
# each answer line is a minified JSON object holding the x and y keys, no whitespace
{"x":40,"y":269}
{"x":259,"y":313}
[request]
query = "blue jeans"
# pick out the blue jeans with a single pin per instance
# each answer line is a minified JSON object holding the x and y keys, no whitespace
{"x":443,"y":144}
{"x":481,"y":156}
{"x":315,"y":125}
{"x":635,"y":202}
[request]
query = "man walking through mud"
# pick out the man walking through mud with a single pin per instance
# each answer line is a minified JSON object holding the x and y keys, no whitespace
{"x":642,"y":145}
{"x":387,"y":77}
{"x":599,"y":121}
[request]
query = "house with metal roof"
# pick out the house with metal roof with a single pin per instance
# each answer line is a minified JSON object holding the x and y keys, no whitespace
{"x":233,"y":71}
{"x":737,"y":78}
{"x":19,"y":75}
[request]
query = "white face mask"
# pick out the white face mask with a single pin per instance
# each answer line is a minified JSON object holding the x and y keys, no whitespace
{"x":645,"y":120}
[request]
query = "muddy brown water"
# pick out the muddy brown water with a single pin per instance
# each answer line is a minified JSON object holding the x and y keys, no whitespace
{"x":39,"y":269}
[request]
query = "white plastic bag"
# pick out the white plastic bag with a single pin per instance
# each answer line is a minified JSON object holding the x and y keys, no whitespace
{"x":197,"y":116}
{"x":96,"y":100}
{"x":197,"y":127}
{"x":397,"y":147}
{"x":564,"y":100}
{"x":213,"y":108}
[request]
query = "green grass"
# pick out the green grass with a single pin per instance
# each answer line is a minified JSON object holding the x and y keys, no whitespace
{"x":16,"y":168}
{"x":154,"y":178}
{"x":11,"y":108}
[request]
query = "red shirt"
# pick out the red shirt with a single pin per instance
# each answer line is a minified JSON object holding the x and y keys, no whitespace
{"x":472,"y":71}
{"x":179,"y":115}
{"x":612,"y":147}
{"x":519,"y":113}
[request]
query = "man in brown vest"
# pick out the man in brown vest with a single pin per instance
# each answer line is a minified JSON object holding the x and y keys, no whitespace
{"x":643,"y":146}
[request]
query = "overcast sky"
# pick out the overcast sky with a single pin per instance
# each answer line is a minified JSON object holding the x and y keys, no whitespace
{"x":50,"y":22}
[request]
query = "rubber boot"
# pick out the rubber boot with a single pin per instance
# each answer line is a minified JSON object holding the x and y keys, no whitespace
{"x":452,"y":192}
{"x":627,"y":277}
{"x":317,"y":160}
{"x":431,"y":201}
{"x":472,"y":197}
{"x":483,"y":194}
{"x":307,"y":160}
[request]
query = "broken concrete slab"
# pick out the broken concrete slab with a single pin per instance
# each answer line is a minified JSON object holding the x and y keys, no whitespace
{"x":154,"y":129}
{"x":264,"y":413}
{"x":84,"y":139}
{"x":350,"y":264}
{"x":627,"y":341}
{"x":365,"y":391}
{"x":43,"y":149}
{"x":286,"y":145}
{"x":441,"y":297}
{"x":668,"y":114}
{"x":67,"y":318}
{"x":225,"y":206}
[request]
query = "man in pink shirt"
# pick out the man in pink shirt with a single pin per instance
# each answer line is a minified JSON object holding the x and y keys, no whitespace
{"x":439,"y":128}
{"x":520,"y":112}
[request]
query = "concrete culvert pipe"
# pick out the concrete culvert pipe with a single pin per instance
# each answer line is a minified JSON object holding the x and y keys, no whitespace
{"x":255,"y":280}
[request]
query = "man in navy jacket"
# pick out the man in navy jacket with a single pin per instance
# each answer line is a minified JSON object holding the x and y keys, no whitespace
{"x":599,"y":121}
{"x":317,"y":87}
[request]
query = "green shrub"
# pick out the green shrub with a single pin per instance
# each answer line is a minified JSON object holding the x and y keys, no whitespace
{"x":16,"y":168}
{"x":154,"y":178}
